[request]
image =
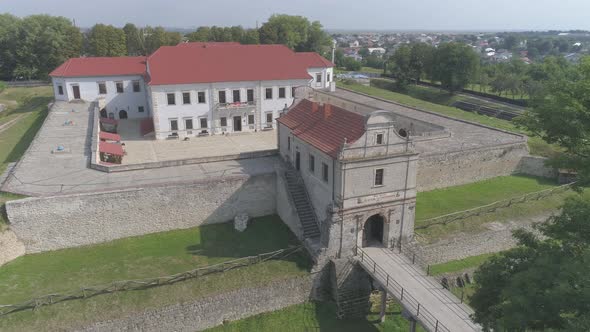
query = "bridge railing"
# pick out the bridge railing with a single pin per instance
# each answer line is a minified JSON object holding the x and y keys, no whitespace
{"x":412,"y":305}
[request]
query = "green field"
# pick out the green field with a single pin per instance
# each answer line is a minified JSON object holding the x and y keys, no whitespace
{"x":459,"y":265}
{"x":318,"y":316}
{"x":453,"y":199}
{"x":143,"y":257}
{"x":536,"y":145}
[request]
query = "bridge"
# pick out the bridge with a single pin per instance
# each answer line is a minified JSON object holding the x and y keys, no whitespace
{"x":423,"y":298}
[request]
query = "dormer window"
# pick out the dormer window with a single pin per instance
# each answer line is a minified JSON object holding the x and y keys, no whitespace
{"x":379,"y":139}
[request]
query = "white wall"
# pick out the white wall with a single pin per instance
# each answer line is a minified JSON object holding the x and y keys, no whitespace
{"x":115,"y":102}
{"x":57,"y":82}
{"x":325,"y":83}
{"x":165,"y":112}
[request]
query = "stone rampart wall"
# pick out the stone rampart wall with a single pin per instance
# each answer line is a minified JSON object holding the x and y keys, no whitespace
{"x":50,"y":223}
{"x":462,"y":167}
{"x":212,"y":311}
{"x":535,"y":166}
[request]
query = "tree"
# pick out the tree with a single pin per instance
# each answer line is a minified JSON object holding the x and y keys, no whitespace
{"x":158,"y":37}
{"x":562,"y":115}
{"x":339,"y":57}
{"x":42,"y":43}
{"x":421,"y":57}
{"x":455,"y":65}
{"x":542,"y":283}
{"x":510,"y":42}
{"x":9,"y":26}
{"x":296,"y":32}
{"x":106,"y":40}
{"x":250,"y":37}
{"x":364,"y":52}
{"x":400,"y":67}
{"x":134,"y":39}
{"x":200,"y":35}
{"x":351,"y":64}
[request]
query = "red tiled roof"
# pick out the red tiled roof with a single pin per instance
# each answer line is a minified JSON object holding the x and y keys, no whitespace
{"x":106,"y":136}
{"x":101,"y":66}
{"x":230,"y":63}
{"x":326,"y":127}
{"x":314,"y":60}
{"x":110,"y":148}
{"x":201,"y":44}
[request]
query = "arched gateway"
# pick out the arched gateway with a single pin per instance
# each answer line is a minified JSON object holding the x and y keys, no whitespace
{"x":373,"y":231}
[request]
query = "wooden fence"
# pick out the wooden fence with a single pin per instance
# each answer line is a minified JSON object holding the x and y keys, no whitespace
{"x":127,"y":285}
{"x":490,"y":208}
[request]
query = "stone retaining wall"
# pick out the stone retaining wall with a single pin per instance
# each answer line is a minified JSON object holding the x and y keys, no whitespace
{"x":50,"y":223}
{"x":10,"y":247}
{"x":212,"y":311}
{"x":471,"y":165}
{"x":535,"y":166}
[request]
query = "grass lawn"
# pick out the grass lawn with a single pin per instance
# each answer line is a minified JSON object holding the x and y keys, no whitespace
{"x":430,"y":204}
{"x":318,"y":316}
{"x":143,"y":257}
{"x":536,"y":145}
{"x":32,"y":104}
{"x":459,"y":265}
{"x":444,"y":201}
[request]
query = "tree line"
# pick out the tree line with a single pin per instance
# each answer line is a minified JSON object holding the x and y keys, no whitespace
{"x":457,"y":66}
{"x":31,"y":47}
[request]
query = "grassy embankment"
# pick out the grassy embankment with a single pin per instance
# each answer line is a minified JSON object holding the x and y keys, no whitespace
{"x":27,"y":107}
{"x":440,"y":202}
{"x":138,"y":258}
{"x":536,"y":145}
{"x":319,"y":317}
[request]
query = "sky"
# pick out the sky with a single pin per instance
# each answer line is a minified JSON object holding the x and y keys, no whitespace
{"x":423,"y":15}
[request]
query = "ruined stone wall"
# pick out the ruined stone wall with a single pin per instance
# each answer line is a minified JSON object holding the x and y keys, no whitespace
{"x":212,"y":311}
{"x":50,"y":223}
{"x":462,"y":167}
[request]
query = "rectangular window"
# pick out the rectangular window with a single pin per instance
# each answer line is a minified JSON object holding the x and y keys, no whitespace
{"x":311,"y":163}
{"x":269,"y":117}
{"x":186,"y":98}
{"x":251,"y":119}
{"x":119,"y":87}
{"x":140,"y":109}
{"x":268,"y":93}
{"x":201,"y":97}
{"x":293,"y":92}
{"x":171,"y":99}
{"x":188,"y":124}
{"x":173,"y":125}
{"x":136,"y":86}
{"x":102,"y":88}
{"x":379,"y":177}
{"x":325,"y":174}
{"x":318,"y":77}
{"x":328,"y":77}
{"x":60,"y":90}
{"x":282,"y":93}
{"x":223,"y":121}
{"x":289,"y":143}
{"x":379,"y":139}
{"x":236,"y":95}
{"x":250,"y":95}
{"x":222,"y":99}
{"x":203,"y":122}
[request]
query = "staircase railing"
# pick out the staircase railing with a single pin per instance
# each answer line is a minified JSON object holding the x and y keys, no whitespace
{"x":301,"y":182}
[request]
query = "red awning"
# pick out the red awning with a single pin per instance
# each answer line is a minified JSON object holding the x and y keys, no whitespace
{"x":110,"y":148}
{"x":109,"y":121}
{"x":105,"y":136}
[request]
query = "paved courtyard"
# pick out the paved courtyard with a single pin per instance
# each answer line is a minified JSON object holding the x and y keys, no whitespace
{"x":44,"y":171}
{"x":142,"y":150}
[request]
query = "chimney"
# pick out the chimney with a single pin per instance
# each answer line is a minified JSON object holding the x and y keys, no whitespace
{"x":327,"y":111}
{"x":314,"y":107}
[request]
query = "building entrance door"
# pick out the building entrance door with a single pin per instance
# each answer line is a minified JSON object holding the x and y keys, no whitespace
{"x":373,"y":231}
{"x":297,"y":160}
{"x":76,"y":89}
{"x":237,"y":123}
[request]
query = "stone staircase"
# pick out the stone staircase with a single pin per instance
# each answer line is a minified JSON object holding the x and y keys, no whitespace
{"x":303,"y":204}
